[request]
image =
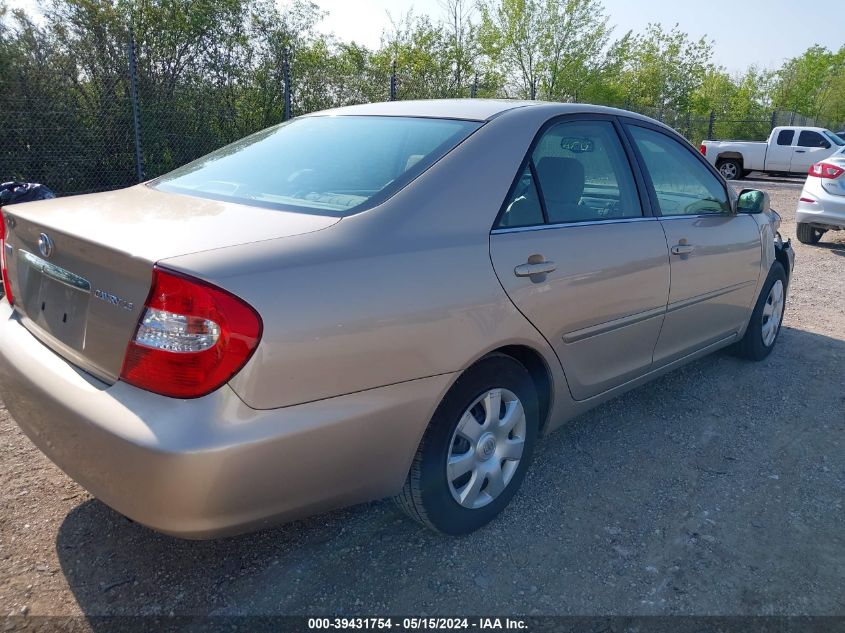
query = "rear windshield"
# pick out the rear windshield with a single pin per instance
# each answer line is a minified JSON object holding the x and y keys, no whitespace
{"x":834,"y":138}
{"x":330,"y":165}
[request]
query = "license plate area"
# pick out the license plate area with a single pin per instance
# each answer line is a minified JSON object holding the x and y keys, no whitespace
{"x":53,"y":298}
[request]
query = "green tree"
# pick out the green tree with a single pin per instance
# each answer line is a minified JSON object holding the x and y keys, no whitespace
{"x":666,"y":68}
{"x":812,"y":83}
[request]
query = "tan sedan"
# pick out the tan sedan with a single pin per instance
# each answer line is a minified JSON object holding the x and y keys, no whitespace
{"x":393,"y":299}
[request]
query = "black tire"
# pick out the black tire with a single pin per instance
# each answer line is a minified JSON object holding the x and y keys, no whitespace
{"x":808,"y":234}
{"x":730,"y":168}
{"x":752,"y":346}
{"x":426,"y":496}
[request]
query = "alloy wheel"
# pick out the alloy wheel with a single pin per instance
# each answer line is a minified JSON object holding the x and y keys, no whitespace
{"x":728,"y":170}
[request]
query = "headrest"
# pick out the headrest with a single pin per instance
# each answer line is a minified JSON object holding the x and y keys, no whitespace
{"x":561,"y":179}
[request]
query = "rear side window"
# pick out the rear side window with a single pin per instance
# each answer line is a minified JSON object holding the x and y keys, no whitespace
{"x":683,"y":185}
{"x":808,"y":138}
{"x":327,"y":165}
{"x":581,"y":174}
{"x":785,"y":137}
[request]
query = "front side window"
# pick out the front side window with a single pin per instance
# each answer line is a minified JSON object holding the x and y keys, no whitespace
{"x":785,"y":137}
{"x":330,"y":165}
{"x":683,"y":185}
{"x":808,"y":138}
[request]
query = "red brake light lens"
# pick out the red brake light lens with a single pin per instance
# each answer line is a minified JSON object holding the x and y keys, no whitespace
{"x":826,"y":170}
{"x":703,"y":149}
{"x":7,"y":286}
{"x":192,"y":338}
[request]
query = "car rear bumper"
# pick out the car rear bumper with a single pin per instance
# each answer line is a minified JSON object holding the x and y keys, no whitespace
{"x":212,"y":466}
{"x":828,"y":210}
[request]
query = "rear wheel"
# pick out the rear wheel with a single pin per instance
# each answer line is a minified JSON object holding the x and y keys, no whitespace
{"x":808,"y":234}
{"x":730,"y":169}
{"x":476,"y":450}
{"x":766,"y":319}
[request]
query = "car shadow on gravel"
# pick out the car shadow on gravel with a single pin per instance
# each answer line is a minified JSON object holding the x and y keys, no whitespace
{"x":674,"y":497}
{"x":837,"y":248}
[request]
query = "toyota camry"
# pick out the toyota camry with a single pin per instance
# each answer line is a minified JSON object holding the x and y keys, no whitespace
{"x":386,"y":300}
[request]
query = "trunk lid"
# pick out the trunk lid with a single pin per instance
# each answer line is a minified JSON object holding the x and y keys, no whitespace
{"x":81,"y":267}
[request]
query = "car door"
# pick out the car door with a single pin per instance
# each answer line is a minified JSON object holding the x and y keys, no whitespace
{"x":715,"y":254}
{"x":811,"y":148}
{"x":580,"y":255}
{"x":779,"y":153}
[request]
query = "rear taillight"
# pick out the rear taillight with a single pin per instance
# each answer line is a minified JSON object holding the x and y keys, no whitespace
{"x":703,"y":149}
{"x":192,"y":338}
{"x":826,"y":170}
{"x":7,"y":286}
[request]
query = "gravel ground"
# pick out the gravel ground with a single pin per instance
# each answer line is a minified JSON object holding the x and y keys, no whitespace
{"x":717,"y":489}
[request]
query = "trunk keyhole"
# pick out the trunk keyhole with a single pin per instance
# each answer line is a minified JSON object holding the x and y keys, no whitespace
{"x":43,"y":305}
{"x":64,"y":318}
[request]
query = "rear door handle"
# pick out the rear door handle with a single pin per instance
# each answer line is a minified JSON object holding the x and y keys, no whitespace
{"x":800,"y":151}
{"x":682,"y":249}
{"x":540,"y":268}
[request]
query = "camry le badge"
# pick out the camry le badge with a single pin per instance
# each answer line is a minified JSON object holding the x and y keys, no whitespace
{"x":102,"y":295}
{"x":45,"y":245}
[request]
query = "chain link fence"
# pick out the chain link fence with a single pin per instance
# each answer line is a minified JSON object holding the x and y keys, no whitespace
{"x":93,"y":141}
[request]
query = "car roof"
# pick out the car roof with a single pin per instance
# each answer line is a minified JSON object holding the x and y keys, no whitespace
{"x":467,"y":109}
{"x":809,"y":128}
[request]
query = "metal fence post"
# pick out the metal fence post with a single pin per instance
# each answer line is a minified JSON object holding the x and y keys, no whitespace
{"x":792,"y":118}
{"x":286,"y":78}
{"x":393,"y":81}
{"x":711,"y":125}
{"x":133,"y":95}
{"x":774,"y":120}
{"x":474,"y":90}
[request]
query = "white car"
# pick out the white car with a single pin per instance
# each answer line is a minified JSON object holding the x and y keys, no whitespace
{"x":821,"y":207}
{"x":789,"y":150}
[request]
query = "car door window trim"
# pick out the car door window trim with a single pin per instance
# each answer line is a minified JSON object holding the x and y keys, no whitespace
{"x":563,"y":225}
{"x":538,"y":187}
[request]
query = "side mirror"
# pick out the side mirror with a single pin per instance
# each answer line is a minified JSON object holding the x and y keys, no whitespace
{"x":825,"y":144}
{"x":753,"y":201}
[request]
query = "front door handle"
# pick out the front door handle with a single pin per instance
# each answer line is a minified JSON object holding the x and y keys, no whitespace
{"x":800,"y":151}
{"x":682,"y":249}
{"x":540,"y":268}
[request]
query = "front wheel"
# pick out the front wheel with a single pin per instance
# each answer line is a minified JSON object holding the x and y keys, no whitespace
{"x":476,"y":450}
{"x":808,"y":234}
{"x":766,"y":319}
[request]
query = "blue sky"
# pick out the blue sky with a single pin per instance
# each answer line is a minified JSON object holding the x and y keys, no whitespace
{"x":744,"y":31}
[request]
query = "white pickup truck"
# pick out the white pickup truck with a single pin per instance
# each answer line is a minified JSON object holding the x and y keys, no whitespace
{"x":789,"y":150}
